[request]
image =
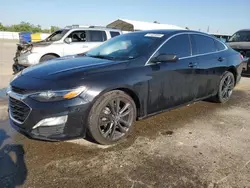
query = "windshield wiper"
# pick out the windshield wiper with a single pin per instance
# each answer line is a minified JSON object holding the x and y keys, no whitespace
{"x":102,"y":57}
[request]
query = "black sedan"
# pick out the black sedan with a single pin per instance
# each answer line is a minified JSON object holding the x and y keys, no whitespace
{"x":130,"y":77}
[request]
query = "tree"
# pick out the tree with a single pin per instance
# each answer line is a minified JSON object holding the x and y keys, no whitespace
{"x":46,"y":31}
{"x":2,"y":28}
{"x":27,"y":27}
{"x":53,"y":29}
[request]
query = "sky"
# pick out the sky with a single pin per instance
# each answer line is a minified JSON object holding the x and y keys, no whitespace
{"x":224,"y":16}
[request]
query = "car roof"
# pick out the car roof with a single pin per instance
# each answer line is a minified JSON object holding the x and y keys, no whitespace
{"x":244,"y":30}
{"x":94,"y":28}
{"x":171,"y":32}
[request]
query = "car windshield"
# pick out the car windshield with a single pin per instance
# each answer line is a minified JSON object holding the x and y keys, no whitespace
{"x":241,"y":36}
{"x":127,"y":46}
{"x":57,"y":35}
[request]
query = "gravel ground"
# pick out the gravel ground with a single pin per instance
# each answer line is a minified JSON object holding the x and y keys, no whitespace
{"x":200,"y":145}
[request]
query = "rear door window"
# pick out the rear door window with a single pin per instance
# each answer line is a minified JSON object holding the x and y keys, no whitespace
{"x":114,"y":34}
{"x":203,"y":44}
{"x":96,"y":36}
{"x":219,"y":45}
{"x":178,"y":45}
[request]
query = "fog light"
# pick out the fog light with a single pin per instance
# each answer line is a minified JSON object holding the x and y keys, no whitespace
{"x":52,"y":121}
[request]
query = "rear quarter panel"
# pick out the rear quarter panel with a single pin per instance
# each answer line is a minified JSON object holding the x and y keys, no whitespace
{"x":235,"y":63}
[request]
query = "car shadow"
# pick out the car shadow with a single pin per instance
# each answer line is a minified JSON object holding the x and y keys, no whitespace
{"x":13,"y":171}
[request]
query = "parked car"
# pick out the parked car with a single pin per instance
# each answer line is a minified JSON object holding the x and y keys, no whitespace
{"x":246,"y":67}
{"x":240,"y":41}
{"x":220,"y":36}
{"x":130,"y":77}
{"x":68,"y":41}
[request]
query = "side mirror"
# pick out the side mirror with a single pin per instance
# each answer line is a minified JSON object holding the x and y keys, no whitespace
{"x":68,"y":40}
{"x":165,"y":58}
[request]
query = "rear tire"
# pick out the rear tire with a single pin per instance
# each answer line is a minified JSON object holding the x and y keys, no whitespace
{"x":47,"y":58}
{"x":108,"y":122}
{"x":225,"y":89}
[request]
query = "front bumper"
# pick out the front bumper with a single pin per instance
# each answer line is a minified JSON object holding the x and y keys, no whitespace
{"x":25,"y":60}
{"x":49,"y":136}
{"x":77,"y":110}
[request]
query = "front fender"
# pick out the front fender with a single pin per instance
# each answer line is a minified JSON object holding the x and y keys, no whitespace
{"x":138,"y":92}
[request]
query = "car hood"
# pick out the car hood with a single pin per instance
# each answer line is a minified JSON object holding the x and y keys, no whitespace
{"x":41,"y":43}
{"x":68,"y":67}
{"x":33,"y":45}
{"x":239,"y":45}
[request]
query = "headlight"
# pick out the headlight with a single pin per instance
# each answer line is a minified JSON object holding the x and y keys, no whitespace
{"x":49,"y":96}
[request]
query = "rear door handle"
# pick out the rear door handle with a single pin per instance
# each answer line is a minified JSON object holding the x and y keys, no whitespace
{"x":220,"y":59}
{"x":192,"y":64}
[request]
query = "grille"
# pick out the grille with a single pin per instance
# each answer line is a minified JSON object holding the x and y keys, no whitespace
{"x":19,"y":111}
{"x":18,"y":90}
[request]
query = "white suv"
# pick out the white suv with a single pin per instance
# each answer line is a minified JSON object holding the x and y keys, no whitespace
{"x":68,"y":41}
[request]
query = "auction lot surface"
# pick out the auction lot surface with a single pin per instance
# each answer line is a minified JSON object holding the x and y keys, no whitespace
{"x":201,"y":145}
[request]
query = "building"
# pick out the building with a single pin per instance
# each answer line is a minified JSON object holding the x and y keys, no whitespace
{"x":131,"y":25}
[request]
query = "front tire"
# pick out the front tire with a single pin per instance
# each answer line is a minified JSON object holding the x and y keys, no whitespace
{"x":225,"y":89}
{"x":47,"y":58}
{"x":111,"y":117}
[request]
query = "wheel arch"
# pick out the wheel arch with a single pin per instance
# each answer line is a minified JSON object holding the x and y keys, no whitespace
{"x":54,"y":54}
{"x":129,"y":91}
{"x":134,"y":96}
{"x":234,"y":72}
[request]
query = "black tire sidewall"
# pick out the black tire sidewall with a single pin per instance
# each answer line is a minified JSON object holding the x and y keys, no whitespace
{"x":47,"y":58}
{"x":93,"y":118}
{"x":219,"y":95}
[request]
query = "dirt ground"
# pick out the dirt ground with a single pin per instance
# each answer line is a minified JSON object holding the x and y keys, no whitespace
{"x":200,"y":145}
{"x":7,"y":53}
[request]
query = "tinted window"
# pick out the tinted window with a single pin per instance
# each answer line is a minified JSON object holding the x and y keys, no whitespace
{"x":97,"y":36}
{"x":241,"y":36}
{"x":114,"y":34}
{"x":127,"y":46}
{"x":178,"y":45}
{"x":203,"y":44}
{"x":78,"y":36}
{"x":219,"y":45}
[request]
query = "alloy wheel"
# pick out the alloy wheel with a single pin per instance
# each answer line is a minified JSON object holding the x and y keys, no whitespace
{"x":227,"y":87}
{"x":116,"y":118}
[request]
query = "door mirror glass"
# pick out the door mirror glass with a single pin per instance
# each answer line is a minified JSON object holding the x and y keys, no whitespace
{"x":68,"y":40}
{"x":165,"y":58}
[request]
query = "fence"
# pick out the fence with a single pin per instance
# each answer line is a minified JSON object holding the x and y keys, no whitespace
{"x":15,"y":35}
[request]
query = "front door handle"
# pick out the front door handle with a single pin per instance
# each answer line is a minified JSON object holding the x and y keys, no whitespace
{"x":192,"y":64}
{"x":220,"y":59}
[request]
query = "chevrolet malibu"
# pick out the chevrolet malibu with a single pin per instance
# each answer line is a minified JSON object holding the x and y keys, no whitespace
{"x":130,"y":77}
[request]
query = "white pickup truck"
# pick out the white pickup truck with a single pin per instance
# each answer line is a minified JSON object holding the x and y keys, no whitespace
{"x":68,"y":41}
